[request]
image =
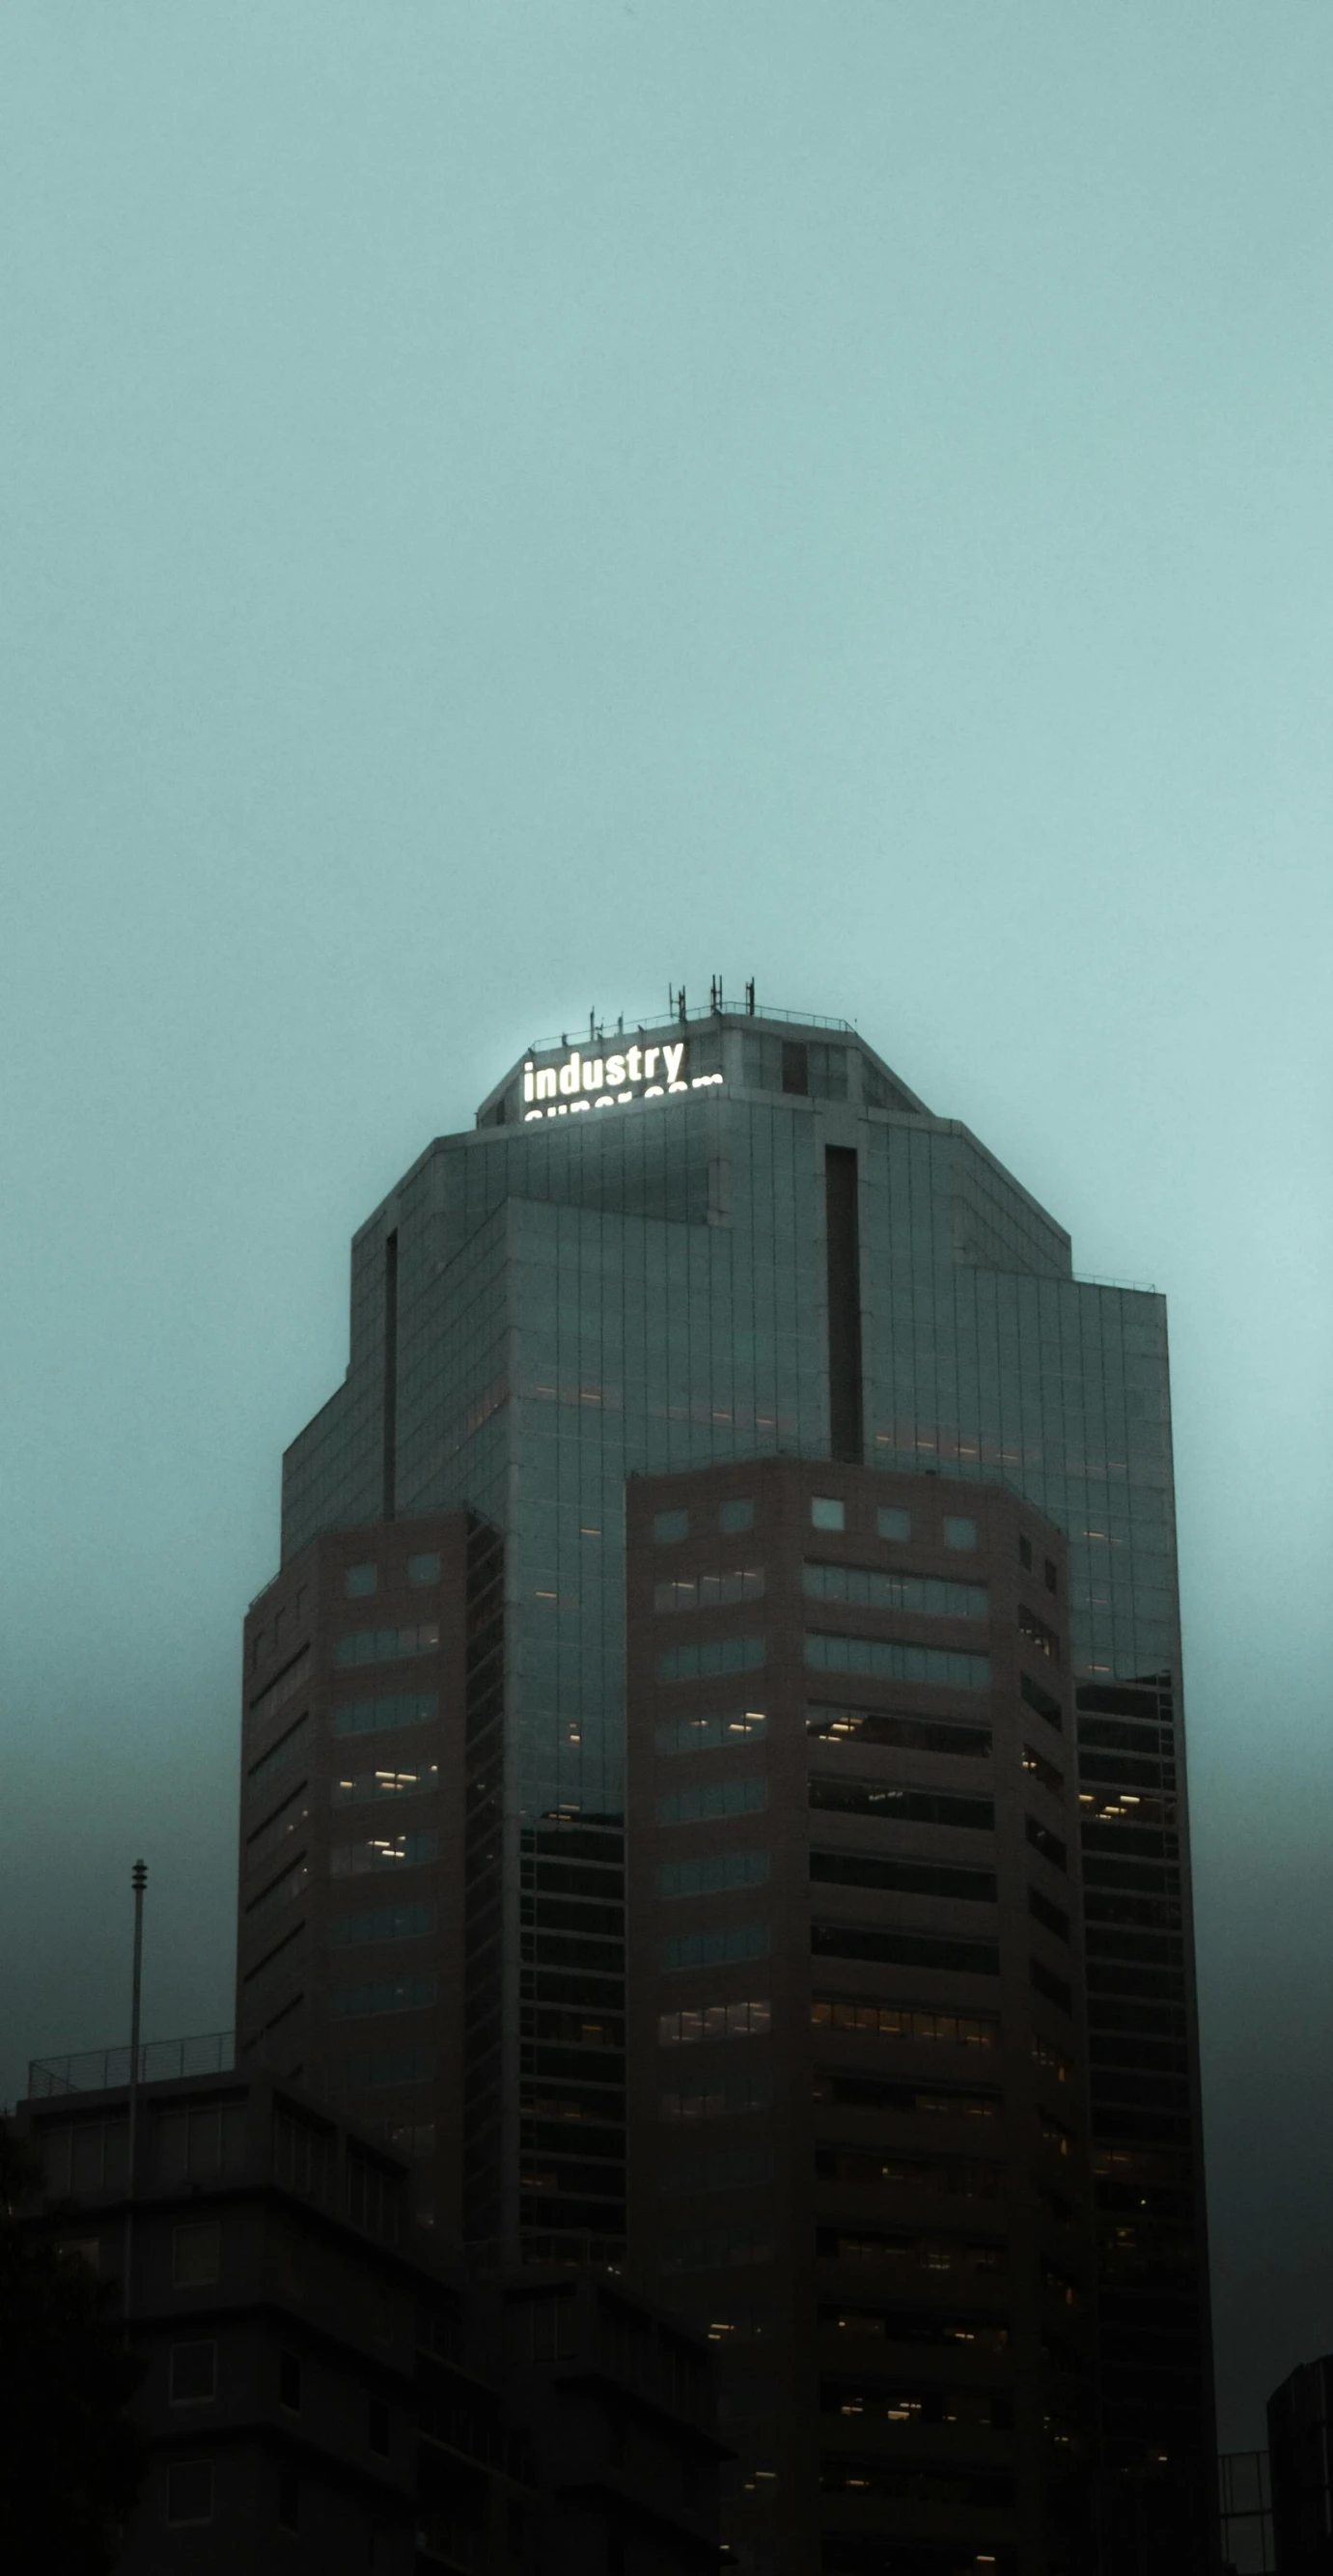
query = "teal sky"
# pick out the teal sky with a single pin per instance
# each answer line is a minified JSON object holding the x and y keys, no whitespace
{"x":503,"y":505}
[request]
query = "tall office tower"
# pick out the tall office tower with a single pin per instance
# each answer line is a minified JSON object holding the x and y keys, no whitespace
{"x":733,"y":1262}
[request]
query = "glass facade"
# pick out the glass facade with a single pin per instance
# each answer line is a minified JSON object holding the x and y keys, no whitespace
{"x":552,"y":1304}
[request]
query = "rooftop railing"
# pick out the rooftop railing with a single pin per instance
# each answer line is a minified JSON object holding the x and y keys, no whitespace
{"x":600,"y":1032}
{"x":101,"y":2070}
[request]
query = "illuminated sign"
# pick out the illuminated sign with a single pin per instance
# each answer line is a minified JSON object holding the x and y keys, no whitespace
{"x":609,"y":1081}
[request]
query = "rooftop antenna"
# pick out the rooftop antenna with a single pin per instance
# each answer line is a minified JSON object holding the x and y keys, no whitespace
{"x":138,"y":1881}
{"x":749,"y":997}
{"x":680,"y":1006}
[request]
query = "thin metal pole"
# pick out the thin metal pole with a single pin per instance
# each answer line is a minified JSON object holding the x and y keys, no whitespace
{"x":138,"y":1881}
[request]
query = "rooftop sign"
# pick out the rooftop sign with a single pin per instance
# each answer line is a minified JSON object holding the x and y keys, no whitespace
{"x":609,"y":1081}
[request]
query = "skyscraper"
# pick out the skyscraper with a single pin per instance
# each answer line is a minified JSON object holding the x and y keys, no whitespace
{"x":680,"y":1271}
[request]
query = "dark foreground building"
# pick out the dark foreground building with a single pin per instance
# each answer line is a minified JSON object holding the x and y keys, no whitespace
{"x":1300,"y":2449}
{"x":329,"y":2392}
{"x":735,"y":1505}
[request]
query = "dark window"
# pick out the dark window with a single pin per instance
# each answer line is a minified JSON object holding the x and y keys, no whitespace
{"x":359,"y":1580}
{"x":1043,"y":1770}
{"x":1047,"y":1843}
{"x":1037,"y":1633}
{"x":289,"y":2381}
{"x":1042,"y":1911}
{"x":289,"y":2500}
{"x":1052,"y":1580}
{"x":193,"y":2373}
{"x":1025,"y":1553}
{"x":195,"y":2254}
{"x":1040,"y":1699}
{"x":1047,"y":1983}
{"x":379,"y":2427}
{"x":190,"y":2491}
{"x":423,"y":1569}
{"x":737,"y":1514}
{"x":668,"y":1527}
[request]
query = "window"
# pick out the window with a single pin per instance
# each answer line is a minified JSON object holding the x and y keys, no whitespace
{"x":904,"y":1949}
{"x":282,"y":1688}
{"x":709,"y":1591}
{"x":712,"y":2249}
{"x":1041,"y":1700}
{"x":1038,"y":1634}
{"x":289,"y":1748}
{"x":699,"y":1804}
{"x":889,"y":1659}
{"x":1052,"y":2058}
{"x":712,"y":1876}
{"x":541,"y":2328}
{"x":714,"y":2021}
{"x":710,"y":1734}
{"x":1025,"y":1553}
{"x":365,"y":2074}
{"x":289,"y":2500}
{"x":885,"y":1726}
{"x":893,"y":1522}
{"x":1051,"y":1916}
{"x":377,"y":1716}
{"x":668,"y":1527}
{"x":362,"y":1788}
{"x":730,"y":2169}
{"x":190,"y":2491}
{"x":1052,"y":1578}
{"x":386,"y":1645}
{"x":378,"y":2429}
{"x":359,"y":1580}
{"x":289,"y":2381}
{"x":736,"y":1514}
{"x":1047,"y":1843}
{"x":382,"y":1923}
{"x":1054,"y":2134}
{"x":198,"y":2142}
{"x":709,"y":1655}
{"x":1043,"y":1771}
{"x":866,"y":1587}
{"x":196,"y":2249}
{"x":827,"y":1512}
{"x":959,"y":1531}
{"x":718,"y":2096}
{"x":887,"y":1804}
{"x":423,"y":1569}
{"x":1045,"y":1982}
{"x":904,"y":2021}
{"x":715,"y":1949}
{"x":388,"y":1995}
{"x":382,"y":1851}
{"x":907,"y":1876}
{"x":193,"y":2373}
{"x":283,"y":1890}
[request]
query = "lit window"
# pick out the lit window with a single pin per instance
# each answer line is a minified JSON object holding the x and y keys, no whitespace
{"x":358,"y":1580}
{"x":195,"y":2254}
{"x":738,"y":1514}
{"x":190,"y":2491}
{"x":423,"y":1569}
{"x":893,"y":1522}
{"x":670,"y":1526}
{"x":193,"y":2373}
{"x":960,"y":1532}
{"x":827,"y":1512}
